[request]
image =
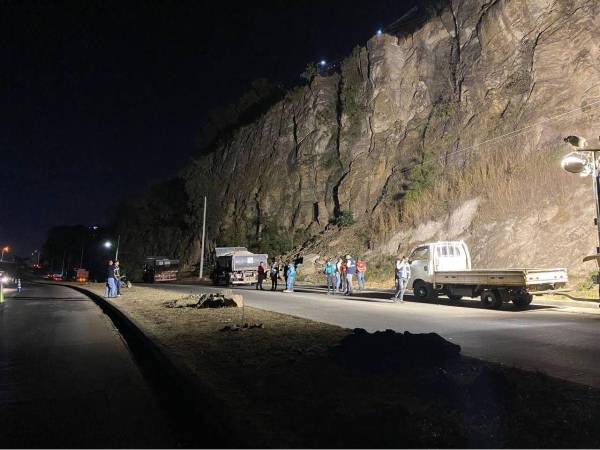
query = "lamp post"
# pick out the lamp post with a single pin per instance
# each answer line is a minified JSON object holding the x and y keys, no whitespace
{"x":4,"y":249}
{"x":584,"y":161}
{"x":109,"y":244}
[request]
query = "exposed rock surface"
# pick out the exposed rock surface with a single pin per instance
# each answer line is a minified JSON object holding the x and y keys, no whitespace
{"x":405,"y":135}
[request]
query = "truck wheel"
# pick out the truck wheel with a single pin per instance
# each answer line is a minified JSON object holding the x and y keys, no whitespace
{"x":422,"y":290}
{"x":521,"y":298}
{"x":491,"y":299}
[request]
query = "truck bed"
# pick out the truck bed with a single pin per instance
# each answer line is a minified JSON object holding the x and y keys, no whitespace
{"x":526,"y":277}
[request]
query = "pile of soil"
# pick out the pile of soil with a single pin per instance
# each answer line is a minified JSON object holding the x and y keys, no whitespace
{"x":390,"y":350}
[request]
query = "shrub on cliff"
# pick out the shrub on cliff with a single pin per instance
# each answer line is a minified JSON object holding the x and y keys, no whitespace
{"x":344,"y":219}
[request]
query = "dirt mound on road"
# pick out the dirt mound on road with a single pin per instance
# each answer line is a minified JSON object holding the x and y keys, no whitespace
{"x":388,"y":350}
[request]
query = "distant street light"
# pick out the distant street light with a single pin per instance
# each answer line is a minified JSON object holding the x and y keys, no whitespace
{"x":38,"y":256}
{"x":4,"y":249}
{"x":108,"y":244}
{"x":379,"y":32}
{"x":323,"y":63}
{"x":584,"y":161}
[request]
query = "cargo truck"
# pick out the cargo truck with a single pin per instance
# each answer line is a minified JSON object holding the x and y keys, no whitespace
{"x":160,"y":269}
{"x":236,"y":265}
{"x":445,"y":268}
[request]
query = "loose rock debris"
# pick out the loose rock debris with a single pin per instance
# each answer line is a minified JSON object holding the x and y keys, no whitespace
{"x":246,"y":326}
{"x":388,"y":349}
{"x":213,"y":300}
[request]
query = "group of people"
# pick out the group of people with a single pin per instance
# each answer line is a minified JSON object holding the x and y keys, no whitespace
{"x":113,"y":280}
{"x":340,"y":275}
{"x":289,"y":275}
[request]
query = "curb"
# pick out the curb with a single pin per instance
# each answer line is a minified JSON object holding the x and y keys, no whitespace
{"x":195,"y":408}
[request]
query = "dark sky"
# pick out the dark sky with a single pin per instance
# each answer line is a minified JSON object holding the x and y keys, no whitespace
{"x":100,"y":99}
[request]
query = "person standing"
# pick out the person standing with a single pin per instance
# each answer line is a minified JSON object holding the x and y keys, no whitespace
{"x":111,"y":289}
{"x":361,"y":268}
{"x":343,"y":273}
{"x":274,"y":274}
{"x":291,"y":277}
{"x":19,"y":285}
{"x":329,"y":271}
{"x":338,"y":275}
{"x":350,"y":272}
{"x":261,"y":275}
{"x":117,"y":271}
{"x":402,"y":277}
{"x":285,"y":273}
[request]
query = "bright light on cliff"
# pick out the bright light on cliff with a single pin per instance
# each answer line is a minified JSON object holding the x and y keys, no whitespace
{"x":576,"y":163}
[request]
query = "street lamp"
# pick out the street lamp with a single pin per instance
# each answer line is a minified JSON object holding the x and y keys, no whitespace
{"x":4,"y":249}
{"x":584,"y":161}
{"x":38,"y":256}
{"x":379,"y":32}
{"x":108,"y":244}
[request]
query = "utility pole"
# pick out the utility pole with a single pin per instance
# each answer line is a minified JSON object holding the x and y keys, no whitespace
{"x":81,"y":259}
{"x":203,"y":237}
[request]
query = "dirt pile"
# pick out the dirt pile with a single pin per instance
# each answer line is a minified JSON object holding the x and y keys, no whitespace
{"x":390,"y":350}
{"x":213,"y":300}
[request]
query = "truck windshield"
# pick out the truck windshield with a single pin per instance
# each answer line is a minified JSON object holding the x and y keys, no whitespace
{"x":420,"y":254}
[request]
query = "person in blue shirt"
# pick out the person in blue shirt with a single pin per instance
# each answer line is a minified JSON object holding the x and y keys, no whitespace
{"x":329,"y":271}
{"x":291,"y":277}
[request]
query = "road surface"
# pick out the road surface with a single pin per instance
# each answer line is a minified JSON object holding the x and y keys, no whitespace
{"x":553,"y":340}
{"x":67,"y":379}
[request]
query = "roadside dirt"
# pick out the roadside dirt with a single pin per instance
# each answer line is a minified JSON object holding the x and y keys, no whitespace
{"x":297,"y":383}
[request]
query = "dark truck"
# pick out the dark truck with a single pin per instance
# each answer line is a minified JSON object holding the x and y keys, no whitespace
{"x":236,"y":265}
{"x":160,"y":269}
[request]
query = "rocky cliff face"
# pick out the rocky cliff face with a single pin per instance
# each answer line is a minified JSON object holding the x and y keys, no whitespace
{"x":446,"y":126}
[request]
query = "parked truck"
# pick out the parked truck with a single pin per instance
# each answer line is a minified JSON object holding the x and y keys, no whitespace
{"x":445,"y":268}
{"x":236,"y":265}
{"x":160,"y":269}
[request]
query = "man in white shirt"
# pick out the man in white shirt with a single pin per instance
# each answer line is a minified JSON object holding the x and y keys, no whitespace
{"x":402,"y":277}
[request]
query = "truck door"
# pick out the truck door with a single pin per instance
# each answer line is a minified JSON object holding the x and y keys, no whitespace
{"x":420,"y":265}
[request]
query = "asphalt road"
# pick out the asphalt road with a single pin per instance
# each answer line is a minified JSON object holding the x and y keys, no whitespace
{"x":549,"y":339}
{"x":67,"y":379}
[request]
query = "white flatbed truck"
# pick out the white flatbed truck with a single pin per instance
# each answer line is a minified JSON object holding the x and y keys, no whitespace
{"x":444,"y":267}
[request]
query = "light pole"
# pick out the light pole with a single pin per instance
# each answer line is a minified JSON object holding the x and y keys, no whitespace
{"x":108,"y":244}
{"x":4,"y":249}
{"x":584,"y":161}
{"x":38,"y":256}
{"x":203,"y":237}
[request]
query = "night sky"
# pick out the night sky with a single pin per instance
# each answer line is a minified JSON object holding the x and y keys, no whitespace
{"x":100,"y":99}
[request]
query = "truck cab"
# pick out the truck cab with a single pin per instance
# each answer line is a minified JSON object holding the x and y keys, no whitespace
{"x":433,"y":257}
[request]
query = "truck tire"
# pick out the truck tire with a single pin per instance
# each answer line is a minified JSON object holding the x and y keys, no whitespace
{"x":422,"y":290}
{"x":521,"y":298}
{"x":491,"y":299}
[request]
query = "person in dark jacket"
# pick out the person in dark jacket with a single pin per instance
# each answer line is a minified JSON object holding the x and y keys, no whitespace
{"x":274,"y":274}
{"x":285,"y":272}
{"x":262,"y":275}
{"x":111,"y":287}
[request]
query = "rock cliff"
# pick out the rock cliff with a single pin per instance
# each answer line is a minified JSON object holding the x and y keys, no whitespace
{"x":448,"y":125}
